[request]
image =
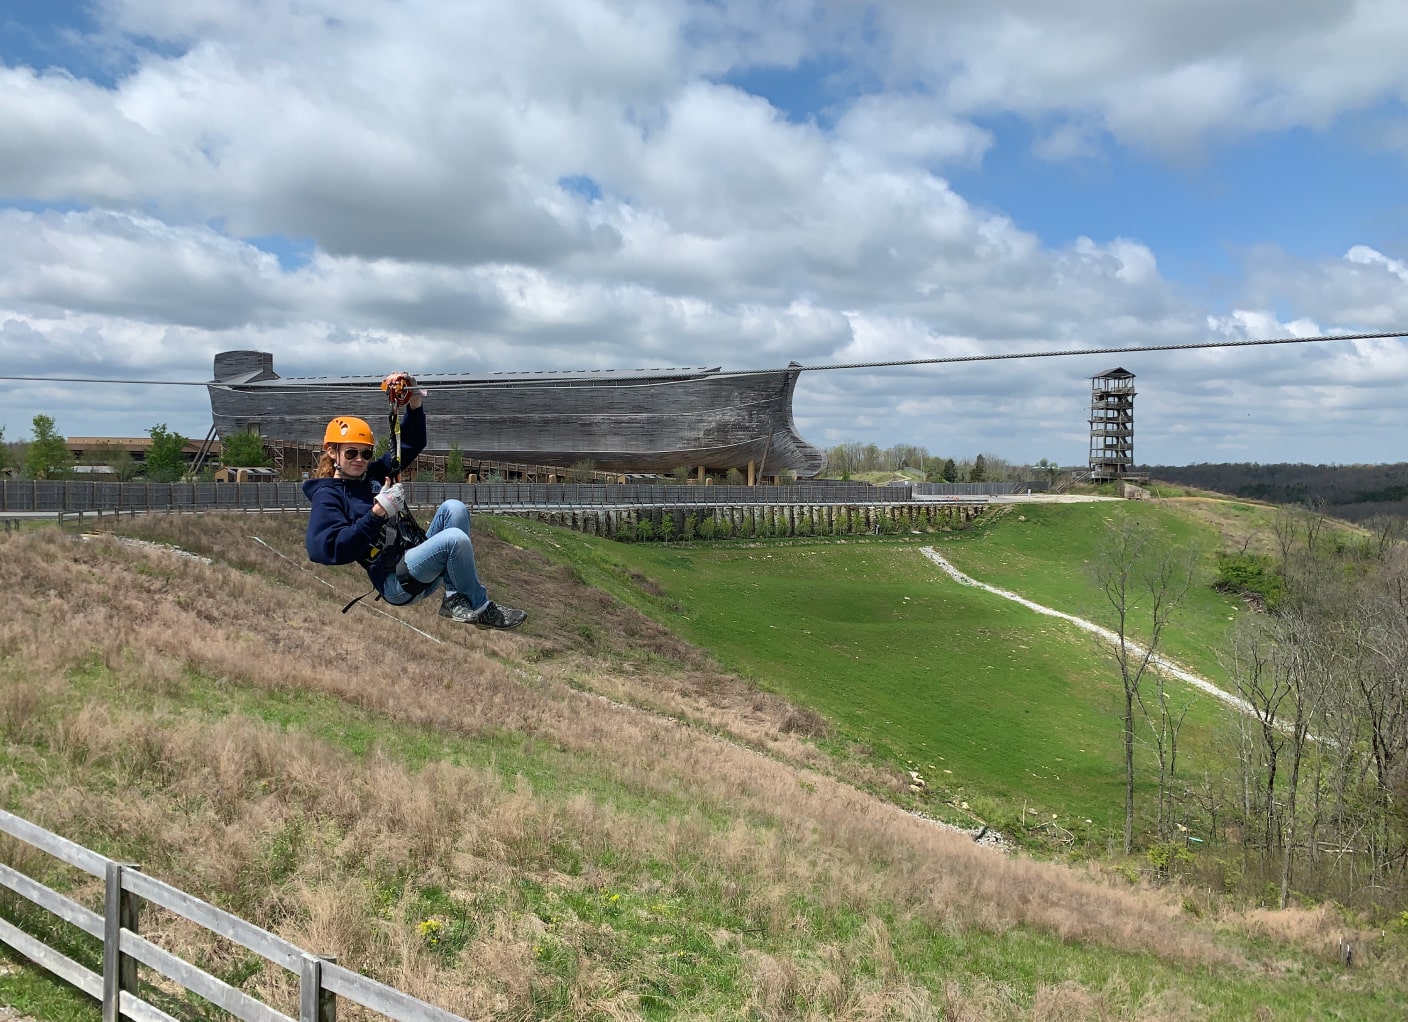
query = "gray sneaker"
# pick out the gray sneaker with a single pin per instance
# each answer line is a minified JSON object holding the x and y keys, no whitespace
{"x":491,"y":615}
{"x":456,"y":608}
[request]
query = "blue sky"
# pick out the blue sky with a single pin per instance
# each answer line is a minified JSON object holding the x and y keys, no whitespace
{"x":1196,"y":211}
{"x":1313,"y":194}
{"x":43,"y":34}
{"x":554,"y":185}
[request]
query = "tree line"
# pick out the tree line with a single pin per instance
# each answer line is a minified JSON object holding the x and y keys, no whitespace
{"x":1352,"y":492}
{"x":846,"y":460}
{"x":47,"y":455}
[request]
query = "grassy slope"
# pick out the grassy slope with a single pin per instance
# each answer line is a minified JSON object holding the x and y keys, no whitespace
{"x":226,"y":726}
{"x":992,"y":703}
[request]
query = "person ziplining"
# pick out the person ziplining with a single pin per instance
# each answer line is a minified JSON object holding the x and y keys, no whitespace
{"x":359,"y":515}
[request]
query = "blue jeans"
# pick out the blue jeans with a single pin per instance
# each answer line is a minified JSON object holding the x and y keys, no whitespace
{"x":446,"y":556}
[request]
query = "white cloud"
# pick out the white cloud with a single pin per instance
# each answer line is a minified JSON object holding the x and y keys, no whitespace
{"x":1162,"y":73}
{"x":909,"y":130}
{"x":553,"y":185}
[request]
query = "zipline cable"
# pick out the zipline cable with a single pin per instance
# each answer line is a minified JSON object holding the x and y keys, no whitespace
{"x":293,"y":383}
{"x":1099,"y":351}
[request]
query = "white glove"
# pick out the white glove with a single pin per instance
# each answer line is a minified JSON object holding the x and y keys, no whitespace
{"x":392,"y":499}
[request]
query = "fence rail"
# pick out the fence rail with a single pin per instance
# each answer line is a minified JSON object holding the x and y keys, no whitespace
{"x":39,"y":496}
{"x":127,"y":889}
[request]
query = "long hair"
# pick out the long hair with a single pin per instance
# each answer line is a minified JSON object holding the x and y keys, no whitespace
{"x":327,"y":468}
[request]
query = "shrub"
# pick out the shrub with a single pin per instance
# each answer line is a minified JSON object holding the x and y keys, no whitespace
{"x":1250,"y":575}
{"x":1169,"y":859}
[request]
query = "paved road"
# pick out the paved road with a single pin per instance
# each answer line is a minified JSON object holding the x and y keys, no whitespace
{"x":1048,"y":498}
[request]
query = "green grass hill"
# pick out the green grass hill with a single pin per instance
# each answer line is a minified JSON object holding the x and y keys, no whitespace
{"x":686,"y":789}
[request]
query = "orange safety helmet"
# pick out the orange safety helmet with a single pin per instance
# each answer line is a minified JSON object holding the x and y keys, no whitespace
{"x":345,"y":429}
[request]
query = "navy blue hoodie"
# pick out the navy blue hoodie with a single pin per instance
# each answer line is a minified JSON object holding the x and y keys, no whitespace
{"x":341,"y":527}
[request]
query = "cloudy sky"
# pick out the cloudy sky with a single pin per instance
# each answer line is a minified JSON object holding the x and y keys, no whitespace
{"x":368,"y":185}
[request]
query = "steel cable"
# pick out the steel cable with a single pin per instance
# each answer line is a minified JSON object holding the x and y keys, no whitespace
{"x":644,"y":377}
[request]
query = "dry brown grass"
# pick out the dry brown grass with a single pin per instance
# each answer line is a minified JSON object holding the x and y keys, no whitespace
{"x":304,"y":837}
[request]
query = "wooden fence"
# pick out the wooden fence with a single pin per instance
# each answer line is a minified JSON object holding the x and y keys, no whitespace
{"x":320,"y":980}
{"x":31,"y":496}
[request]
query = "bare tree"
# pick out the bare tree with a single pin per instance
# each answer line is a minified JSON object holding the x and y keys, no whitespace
{"x":1386,"y":531}
{"x":1143,"y":583}
{"x":997,"y":469}
{"x":1164,"y":723}
{"x":1258,"y":674}
{"x":1286,"y":528}
{"x":1301,"y":671}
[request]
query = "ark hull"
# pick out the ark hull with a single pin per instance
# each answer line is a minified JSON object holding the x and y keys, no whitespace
{"x":646,"y":421}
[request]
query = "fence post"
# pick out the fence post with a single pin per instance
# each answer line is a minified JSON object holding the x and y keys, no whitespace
{"x":121,"y":910}
{"x":314,"y":1003}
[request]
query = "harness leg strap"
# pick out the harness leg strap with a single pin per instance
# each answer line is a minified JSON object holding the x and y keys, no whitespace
{"x":412,"y":585}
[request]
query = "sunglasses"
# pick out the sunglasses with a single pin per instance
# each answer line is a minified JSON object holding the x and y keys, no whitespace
{"x":364,"y":453}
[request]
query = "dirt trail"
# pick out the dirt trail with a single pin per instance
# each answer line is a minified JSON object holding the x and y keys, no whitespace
{"x":1161,"y":664}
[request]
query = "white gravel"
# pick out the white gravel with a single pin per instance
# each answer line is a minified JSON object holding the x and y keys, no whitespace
{"x":1159,"y":663}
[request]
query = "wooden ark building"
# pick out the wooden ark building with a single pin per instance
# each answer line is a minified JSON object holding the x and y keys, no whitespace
{"x":642,"y":421}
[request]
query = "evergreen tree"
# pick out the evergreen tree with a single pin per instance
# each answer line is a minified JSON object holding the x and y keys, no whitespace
{"x":454,"y":465}
{"x":950,"y":472}
{"x":48,"y":456}
{"x":979,"y":471}
{"x":166,"y":458}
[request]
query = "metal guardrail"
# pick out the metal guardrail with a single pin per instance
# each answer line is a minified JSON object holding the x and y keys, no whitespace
{"x":321,"y":981}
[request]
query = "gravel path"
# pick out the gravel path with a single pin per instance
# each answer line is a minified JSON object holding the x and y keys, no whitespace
{"x":1161,"y":664}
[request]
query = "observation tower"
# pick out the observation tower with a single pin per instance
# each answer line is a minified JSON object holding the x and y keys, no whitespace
{"x":1111,"y":425}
